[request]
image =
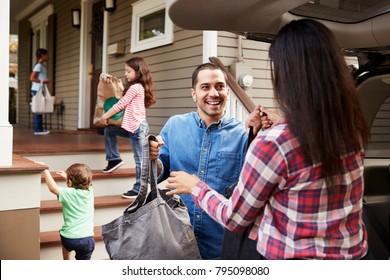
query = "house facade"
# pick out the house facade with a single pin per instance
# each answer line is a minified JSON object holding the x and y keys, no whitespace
{"x":84,"y":39}
{"x":104,"y":40}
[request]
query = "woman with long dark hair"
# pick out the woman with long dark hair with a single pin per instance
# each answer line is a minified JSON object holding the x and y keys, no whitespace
{"x":302,"y":180}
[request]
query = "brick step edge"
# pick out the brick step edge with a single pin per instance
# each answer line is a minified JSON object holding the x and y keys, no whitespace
{"x":98,"y":174}
{"x":48,"y":206}
{"x":52,"y":238}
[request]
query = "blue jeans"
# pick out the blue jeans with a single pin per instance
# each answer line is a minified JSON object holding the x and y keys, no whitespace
{"x":83,"y":247}
{"x":136,"y":138}
{"x":38,"y":124}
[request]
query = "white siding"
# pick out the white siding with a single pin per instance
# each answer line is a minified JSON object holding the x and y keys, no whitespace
{"x":253,"y":54}
{"x":67,"y":63}
{"x":67,"y":46}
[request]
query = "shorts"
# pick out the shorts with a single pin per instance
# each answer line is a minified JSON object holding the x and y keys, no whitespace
{"x":83,"y":247}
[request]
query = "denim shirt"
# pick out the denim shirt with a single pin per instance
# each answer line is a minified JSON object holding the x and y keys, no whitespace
{"x":215,"y":154}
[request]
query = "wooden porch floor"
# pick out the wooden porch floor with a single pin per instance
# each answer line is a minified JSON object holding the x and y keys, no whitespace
{"x":60,"y":141}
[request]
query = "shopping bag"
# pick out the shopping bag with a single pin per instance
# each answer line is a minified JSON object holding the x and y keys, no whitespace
{"x":49,"y":101}
{"x":154,"y":226}
{"x":42,"y":102}
{"x":110,"y":90}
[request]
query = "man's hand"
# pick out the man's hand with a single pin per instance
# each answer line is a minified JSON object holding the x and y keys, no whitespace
{"x":273,"y":117}
{"x":154,"y":147}
{"x":254,"y":120}
{"x":258,"y":119}
{"x":262,"y":118}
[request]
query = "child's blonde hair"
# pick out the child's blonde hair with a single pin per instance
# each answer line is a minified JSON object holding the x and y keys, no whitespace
{"x":79,"y":175}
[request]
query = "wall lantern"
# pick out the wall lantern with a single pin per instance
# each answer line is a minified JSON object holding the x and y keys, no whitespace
{"x":76,"y":16}
{"x":110,"y":5}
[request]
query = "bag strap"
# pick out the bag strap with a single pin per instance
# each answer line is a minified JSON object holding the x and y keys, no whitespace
{"x":40,"y":90}
{"x":46,"y":90}
{"x":148,"y":175}
{"x":251,"y":136}
{"x":153,"y":165}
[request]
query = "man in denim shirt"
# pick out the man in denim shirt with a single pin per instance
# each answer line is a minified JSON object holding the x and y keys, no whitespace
{"x":206,"y":143}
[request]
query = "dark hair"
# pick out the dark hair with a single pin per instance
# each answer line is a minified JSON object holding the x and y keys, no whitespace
{"x":205,"y":66}
{"x":40,"y":52}
{"x":80,"y":176}
{"x":144,"y":78}
{"x":317,"y":94}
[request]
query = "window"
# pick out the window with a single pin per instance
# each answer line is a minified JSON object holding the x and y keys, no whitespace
{"x":151,"y":26}
{"x":39,"y":23}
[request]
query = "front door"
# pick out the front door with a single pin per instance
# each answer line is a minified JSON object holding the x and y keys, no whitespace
{"x":96,"y":53}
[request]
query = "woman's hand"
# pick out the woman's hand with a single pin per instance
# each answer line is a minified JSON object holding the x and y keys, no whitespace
{"x":181,"y":182}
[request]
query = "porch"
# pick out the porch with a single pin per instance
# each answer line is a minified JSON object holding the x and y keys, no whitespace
{"x":30,"y":229}
{"x":60,"y":141}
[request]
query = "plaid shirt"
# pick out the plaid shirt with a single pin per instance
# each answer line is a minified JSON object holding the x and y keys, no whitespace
{"x":286,"y":198}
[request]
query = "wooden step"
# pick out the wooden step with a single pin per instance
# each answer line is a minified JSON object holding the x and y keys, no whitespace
{"x":100,"y":202}
{"x":52,"y":238}
{"x":98,"y":174}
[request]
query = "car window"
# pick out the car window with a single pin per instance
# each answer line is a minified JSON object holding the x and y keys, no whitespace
{"x":375,"y":98}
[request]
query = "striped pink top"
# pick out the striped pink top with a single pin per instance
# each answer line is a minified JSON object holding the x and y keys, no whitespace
{"x":133,"y":102}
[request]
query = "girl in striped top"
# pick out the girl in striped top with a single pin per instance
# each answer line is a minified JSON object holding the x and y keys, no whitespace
{"x":139,"y":95}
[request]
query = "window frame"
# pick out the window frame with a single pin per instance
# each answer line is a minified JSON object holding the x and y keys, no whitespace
{"x":142,"y":9}
{"x":39,"y":25}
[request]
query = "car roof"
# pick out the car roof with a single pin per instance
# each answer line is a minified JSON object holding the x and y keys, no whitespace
{"x":357,"y":24}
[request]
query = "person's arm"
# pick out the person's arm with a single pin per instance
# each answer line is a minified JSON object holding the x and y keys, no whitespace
{"x":51,"y":184}
{"x":248,"y":197}
{"x":262,"y":118}
{"x":108,"y":114}
{"x":34,"y":77}
{"x":121,"y":104}
{"x":181,"y":183}
{"x":258,"y":120}
{"x":273,"y":116}
{"x":34,"y":74}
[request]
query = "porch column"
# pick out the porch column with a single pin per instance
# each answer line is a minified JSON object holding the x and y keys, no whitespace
{"x":210,"y":45}
{"x":6,"y":130}
{"x":20,"y":179}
